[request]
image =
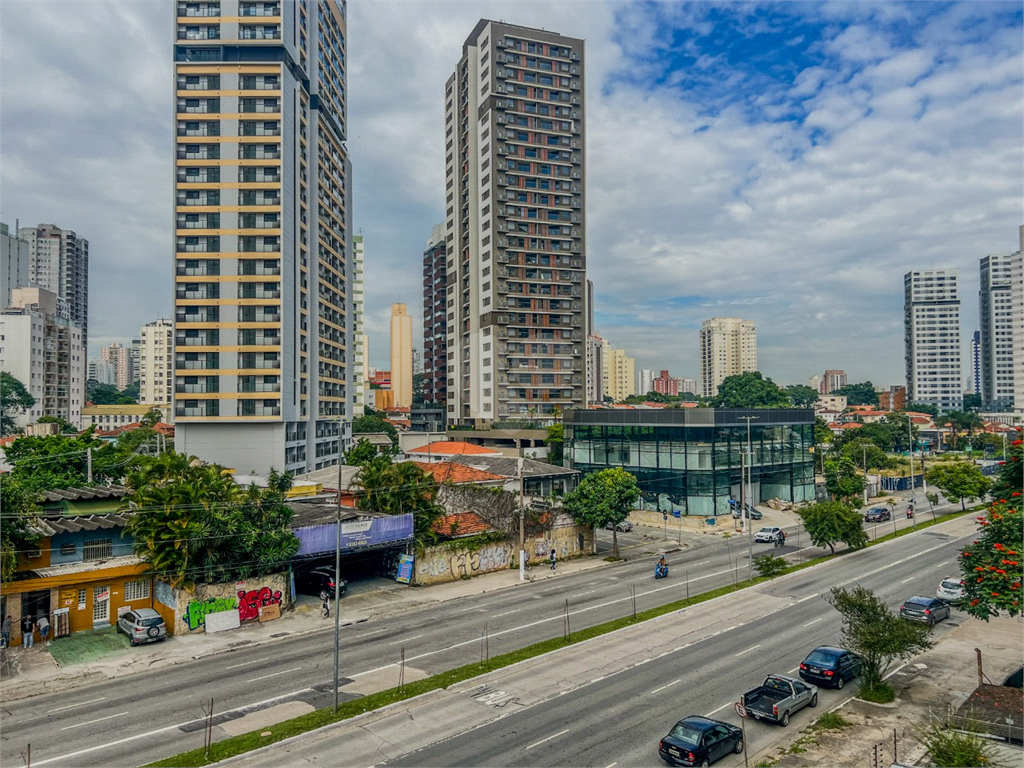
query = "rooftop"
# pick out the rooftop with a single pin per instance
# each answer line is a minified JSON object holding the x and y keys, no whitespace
{"x":461,"y":524}
{"x":452,"y":472}
{"x":452,"y":448}
{"x":507,"y":467}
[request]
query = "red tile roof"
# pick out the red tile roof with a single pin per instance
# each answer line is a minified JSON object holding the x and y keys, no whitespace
{"x":451,"y":472}
{"x":846,"y":425}
{"x":461,"y":524}
{"x":451,"y":448}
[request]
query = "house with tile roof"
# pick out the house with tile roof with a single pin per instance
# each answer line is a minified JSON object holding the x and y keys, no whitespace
{"x":444,"y":450}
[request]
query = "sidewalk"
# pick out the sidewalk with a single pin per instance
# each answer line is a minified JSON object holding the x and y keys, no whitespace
{"x":97,"y":656}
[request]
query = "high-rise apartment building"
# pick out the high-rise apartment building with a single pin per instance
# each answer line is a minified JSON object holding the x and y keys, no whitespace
{"x":135,"y":356}
{"x":263,"y":253}
{"x":619,"y":373}
{"x":120,"y":357}
{"x":43,"y":348}
{"x":646,"y":379}
{"x":595,"y":370}
{"x":974,"y":381}
{"x":156,"y":364}
{"x":15,"y":264}
{"x":358,"y":327}
{"x":102,"y":372}
{"x":515,"y":227}
{"x":401,"y":355}
{"x":59,"y":263}
{"x":931,"y":320}
{"x":831,"y":381}
{"x":995,"y":307}
{"x":1017,"y":322}
{"x":435,"y":347}
{"x":728,"y":347}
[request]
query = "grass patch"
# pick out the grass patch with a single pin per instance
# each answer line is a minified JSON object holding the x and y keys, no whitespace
{"x":246,"y":742}
{"x":878,"y":694}
{"x":796,"y":749}
{"x":830,"y":721}
{"x":764,"y":763}
{"x":949,"y":749}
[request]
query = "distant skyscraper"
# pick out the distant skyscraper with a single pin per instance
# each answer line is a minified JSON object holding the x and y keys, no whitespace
{"x":435,"y":337}
{"x":358,"y":327}
{"x":815,"y":383}
{"x":832,"y":380}
{"x":975,"y":378}
{"x":401,"y":355}
{"x":995,"y":305}
{"x":595,"y":370}
{"x":135,"y":356}
{"x":515,"y":173}
{"x":15,"y":265}
{"x":619,"y":373}
{"x":1017,"y":299}
{"x":156,"y":363}
{"x":728,"y":347}
{"x":646,"y":381}
{"x":931,"y":317}
{"x":263,"y":234}
{"x":59,"y":263}
{"x":102,"y":372}
{"x":120,"y":357}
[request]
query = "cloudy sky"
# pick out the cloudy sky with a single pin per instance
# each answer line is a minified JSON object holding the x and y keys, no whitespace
{"x":785,"y":163}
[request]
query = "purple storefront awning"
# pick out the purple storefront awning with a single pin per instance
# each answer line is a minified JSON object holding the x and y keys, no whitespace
{"x":355,"y":534}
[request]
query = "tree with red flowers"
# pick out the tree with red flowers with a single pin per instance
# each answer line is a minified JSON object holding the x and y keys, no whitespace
{"x":1010,"y":479}
{"x":992,"y":564}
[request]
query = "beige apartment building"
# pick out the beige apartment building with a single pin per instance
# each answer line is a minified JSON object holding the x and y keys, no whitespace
{"x":263,"y":331}
{"x":618,"y":374}
{"x":119,"y":358}
{"x":728,"y":347}
{"x":156,"y":365}
{"x":515,"y":226}
{"x":401,"y":356}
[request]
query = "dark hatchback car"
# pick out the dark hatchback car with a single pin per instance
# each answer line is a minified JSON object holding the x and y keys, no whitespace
{"x":319,"y":582}
{"x":926,"y":610}
{"x":828,"y":665}
{"x":878,"y":515}
{"x":700,"y":741}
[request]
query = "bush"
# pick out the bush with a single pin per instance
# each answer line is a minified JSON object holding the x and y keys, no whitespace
{"x":770,"y":565}
{"x":956,"y":749}
{"x":830,"y":721}
{"x":882,"y":693}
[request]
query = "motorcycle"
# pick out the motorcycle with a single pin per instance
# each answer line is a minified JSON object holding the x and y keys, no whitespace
{"x":660,"y":571}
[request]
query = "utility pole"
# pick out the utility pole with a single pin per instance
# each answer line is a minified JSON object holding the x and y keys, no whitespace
{"x":522,"y":521}
{"x":750,"y":479}
{"x":337,"y":583}
{"x":910,"y":438}
{"x":864,"y":448}
{"x":88,"y":461}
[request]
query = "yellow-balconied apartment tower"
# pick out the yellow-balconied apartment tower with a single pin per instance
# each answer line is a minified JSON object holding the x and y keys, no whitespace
{"x":263,"y":252}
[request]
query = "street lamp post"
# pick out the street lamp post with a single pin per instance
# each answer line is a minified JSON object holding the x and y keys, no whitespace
{"x":749,"y":500}
{"x":864,"y":449}
{"x":910,"y":439}
{"x":337,"y":582}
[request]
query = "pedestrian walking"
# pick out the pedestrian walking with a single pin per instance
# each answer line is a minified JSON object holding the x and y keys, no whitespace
{"x":553,"y":558}
{"x":44,"y":628}
{"x":325,"y":609}
{"x":6,"y":631}
{"x":28,"y":625}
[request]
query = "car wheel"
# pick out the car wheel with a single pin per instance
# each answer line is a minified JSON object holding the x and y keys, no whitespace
{"x":814,"y":701}
{"x":785,"y":719}
{"x":931,"y":622}
{"x":131,"y":642}
{"x":840,"y":683}
{"x":739,"y":745}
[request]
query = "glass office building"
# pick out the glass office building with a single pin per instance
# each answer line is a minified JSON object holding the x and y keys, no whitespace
{"x":689,"y":460}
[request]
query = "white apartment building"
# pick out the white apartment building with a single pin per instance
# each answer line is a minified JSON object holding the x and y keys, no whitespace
{"x":15,"y":265}
{"x":156,"y":365}
{"x":995,"y":306}
{"x":120,"y":357}
{"x":595,"y":370}
{"x":728,"y":347}
{"x":59,"y":263}
{"x":619,"y":373}
{"x":263,"y":332}
{"x":646,"y":381}
{"x":1017,"y":315}
{"x":102,"y":372}
{"x":44,"y":349}
{"x":360,"y":351}
{"x":931,"y":318}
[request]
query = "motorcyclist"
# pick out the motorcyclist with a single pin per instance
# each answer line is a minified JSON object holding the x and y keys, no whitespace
{"x":662,"y":567}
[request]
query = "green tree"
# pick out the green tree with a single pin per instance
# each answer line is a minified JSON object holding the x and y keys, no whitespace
{"x":972,"y":402}
{"x":601,"y":498}
{"x":861,"y":450}
{"x":64,"y":426}
{"x":958,"y":422}
{"x":14,"y":400}
{"x":1008,"y":483}
{"x":928,"y":408}
{"x":770,"y":565}
{"x":822,"y":434}
{"x":132,"y":391}
{"x":61,"y":461}
{"x":832,"y":522}
{"x":992,"y":564}
{"x":858,"y":394}
{"x":417,"y":388}
{"x":876,"y":634}
{"x":749,"y":390}
{"x":842,"y":479}
{"x":801,"y":395}
{"x":395,"y":489}
{"x":959,"y":480}
{"x":17,"y":533}
{"x":361,"y":452}
{"x":555,"y":441}
{"x":375,"y":424}
{"x":105,"y":394}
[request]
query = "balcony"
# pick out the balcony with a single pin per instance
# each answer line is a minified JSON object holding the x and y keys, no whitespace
{"x":258,"y":197}
{"x":196,"y":408}
{"x":199,"y":197}
{"x":259,"y":244}
{"x":251,"y":361}
{"x":195,"y":268}
{"x":258,"y":408}
{"x":196,"y":385}
{"x":191,"y":291}
{"x":259,"y":267}
{"x":198,"y":129}
{"x":198,"y":10}
{"x":199,"y":175}
{"x":198,"y":221}
{"x":204,"y":32}
{"x":206,"y":338}
{"x":248,"y":316}
{"x":193,"y":244}
{"x":258,"y":152}
{"x":197,"y":315}
{"x":264,"y":128}
{"x":259,"y":384}
{"x":259,"y":106}
{"x":197,"y":361}
{"x":199,"y":152}
{"x":258,"y":176}
{"x":269,"y":32}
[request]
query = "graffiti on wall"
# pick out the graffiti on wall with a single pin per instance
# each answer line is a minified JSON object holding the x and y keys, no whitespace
{"x":198,"y":609}
{"x":489,"y":558}
{"x":249,"y":603}
{"x":432,"y":566}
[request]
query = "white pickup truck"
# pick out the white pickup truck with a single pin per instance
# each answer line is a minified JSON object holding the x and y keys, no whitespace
{"x":778,"y":697}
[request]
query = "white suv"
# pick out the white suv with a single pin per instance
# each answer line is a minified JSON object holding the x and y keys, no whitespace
{"x":142,"y":625}
{"x":768,"y":534}
{"x":950,"y":589}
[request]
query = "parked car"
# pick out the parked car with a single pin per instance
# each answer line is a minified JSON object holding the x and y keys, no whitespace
{"x":927,"y":610}
{"x":142,"y":625}
{"x":778,"y":697}
{"x":320,"y":582}
{"x":767,"y":535}
{"x":698,"y":740}
{"x":752,"y":514}
{"x":950,"y":589}
{"x":622,"y":527}
{"x":878,"y":515}
{"x":828,"y":665}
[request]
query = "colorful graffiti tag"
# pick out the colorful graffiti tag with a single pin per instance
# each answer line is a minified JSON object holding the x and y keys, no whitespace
{"x":249,"y":603}
{"x":198,"y":609}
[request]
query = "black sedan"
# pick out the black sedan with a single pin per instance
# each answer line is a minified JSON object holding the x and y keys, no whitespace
{"x":878,"y":515}
{"x":926,"y":610}
{"x":827,"y":665}
{"x":698,"y":740}
{"x":320,"y":582}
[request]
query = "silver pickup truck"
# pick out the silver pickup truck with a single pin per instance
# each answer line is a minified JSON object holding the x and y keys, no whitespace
{"x":778,"y":697}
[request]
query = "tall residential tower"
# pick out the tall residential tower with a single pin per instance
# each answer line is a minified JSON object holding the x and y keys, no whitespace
{"x":435,"y":356}
{"x":995,"y":306}
{"x":59,"y":263}
{"x":516,"y":225}
{"x":263,"y":252}
{"x":931,"y":320}
{"x":728,"y":347}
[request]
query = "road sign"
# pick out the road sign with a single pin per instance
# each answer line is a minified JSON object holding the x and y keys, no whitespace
{"x":740,"y":709}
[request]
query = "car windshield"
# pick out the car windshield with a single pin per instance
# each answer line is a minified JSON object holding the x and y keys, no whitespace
{"x":766,"y":530}
{"x":154,"y":622}
{"x":820,"y":658}
{"x":956,"y":586}
{"x":686,"y":734}
{"x":918,"y":602}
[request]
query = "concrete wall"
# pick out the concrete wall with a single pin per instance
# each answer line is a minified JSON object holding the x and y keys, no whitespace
{"x":246,"y":597}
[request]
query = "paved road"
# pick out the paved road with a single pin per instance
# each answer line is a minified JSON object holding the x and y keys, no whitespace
{"x":608,"y":701}
{"x":141,"y":717}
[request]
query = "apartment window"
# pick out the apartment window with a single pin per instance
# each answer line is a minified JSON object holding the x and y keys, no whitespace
{"x":98,"y":549}
{"x":136,"y":590}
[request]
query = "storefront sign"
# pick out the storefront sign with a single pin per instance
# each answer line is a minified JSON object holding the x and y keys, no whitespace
{"x":405,"y":565}
{"x":101,"y":595}
{"x":68,"y":597}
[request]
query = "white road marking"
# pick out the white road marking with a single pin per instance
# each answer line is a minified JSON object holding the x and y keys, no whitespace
{"x":794,"y":669}
{"x":581,"y":594}
{"x":79,"y":704}
{"x":506,"y":613}
{"x":371,"y":634}
{"x":274,"y":674}
{"x":906,"y":580}
{"x":406,"y":639}
{"x":752,"y":648}
{"x":815,"y":621}
{"x":247,"y":663}
{"x":702,"y":562}
{"x":549,"y":738}
{"x":716,"y":711}
{"x":90,"y":722}
{"x":667,"y":685}
{"x":611,"y":765}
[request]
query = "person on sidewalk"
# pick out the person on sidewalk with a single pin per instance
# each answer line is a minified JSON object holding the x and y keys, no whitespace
{"x":44,"y":629}
{"x":325,"y":609}
{"x":553,"y":558}
{"x":6,"y":631}
{"x":28,"y":625}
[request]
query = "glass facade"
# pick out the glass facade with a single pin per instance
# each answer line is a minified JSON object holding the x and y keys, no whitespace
{"x":690,"y":460}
